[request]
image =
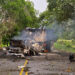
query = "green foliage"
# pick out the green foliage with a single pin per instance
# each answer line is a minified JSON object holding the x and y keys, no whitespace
{"x":46,"y":18}
{"x":15,"y":15}
{"x":62,"y":9}
{"x":60,"y":17}
{"x":64,"y":48}
{"x":44,"y":15}
{"x":65,"y":45}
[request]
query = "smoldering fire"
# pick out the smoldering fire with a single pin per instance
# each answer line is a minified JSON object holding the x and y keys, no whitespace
{"x":33,"y":39}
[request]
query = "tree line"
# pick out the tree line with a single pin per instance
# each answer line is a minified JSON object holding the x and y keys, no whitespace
{"x":15,"y":15}
{"x":60,"y":14}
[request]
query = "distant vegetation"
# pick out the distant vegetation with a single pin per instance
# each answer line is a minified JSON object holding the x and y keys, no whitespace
{"x":65,"y":45}
{"x":60,"y":15}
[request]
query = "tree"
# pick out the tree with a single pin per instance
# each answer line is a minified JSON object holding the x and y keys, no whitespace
{"x":60,"y":16}
{"x":16,"y":15}
{"x":62,"y":9}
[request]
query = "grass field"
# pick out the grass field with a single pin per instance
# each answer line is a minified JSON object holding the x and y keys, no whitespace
{"x":2,"y":45}
{"x":65,"y":45}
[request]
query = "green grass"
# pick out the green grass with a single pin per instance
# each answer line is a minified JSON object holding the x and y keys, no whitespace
{"x":2,"y":45}
{"x":67,"y":47}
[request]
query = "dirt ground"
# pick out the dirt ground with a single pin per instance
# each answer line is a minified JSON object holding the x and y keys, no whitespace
{"x":55,"y":63}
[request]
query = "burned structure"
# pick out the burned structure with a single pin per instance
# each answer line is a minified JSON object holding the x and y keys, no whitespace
{"x":31,"y":41}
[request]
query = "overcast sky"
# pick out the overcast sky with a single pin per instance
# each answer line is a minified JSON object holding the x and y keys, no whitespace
{"x":40,"y":5}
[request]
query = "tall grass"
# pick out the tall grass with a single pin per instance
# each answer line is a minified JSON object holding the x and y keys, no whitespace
{"x":3,"y":45}
{"x":65,"y":45}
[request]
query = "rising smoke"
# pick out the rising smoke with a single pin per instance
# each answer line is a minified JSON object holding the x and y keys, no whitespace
{"x":38,"y":35}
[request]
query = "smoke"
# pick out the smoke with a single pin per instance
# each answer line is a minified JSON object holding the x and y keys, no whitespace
{"x":64,"y":29}
{"x":34,"y":38}
{"x":38,"y":35}
{"x":58,"y":28}
{"x":50,"y":35}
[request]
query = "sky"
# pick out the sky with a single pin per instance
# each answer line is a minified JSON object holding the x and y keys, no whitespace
{"x":40,"y":5}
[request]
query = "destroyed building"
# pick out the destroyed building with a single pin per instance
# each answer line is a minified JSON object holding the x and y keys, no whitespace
{"x":33,"y":41}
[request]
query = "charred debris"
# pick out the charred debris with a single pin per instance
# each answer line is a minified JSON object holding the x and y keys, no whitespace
{"x":32,"y":41}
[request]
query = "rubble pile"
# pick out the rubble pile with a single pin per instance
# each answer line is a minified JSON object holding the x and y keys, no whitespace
{"x":31,"y":41}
